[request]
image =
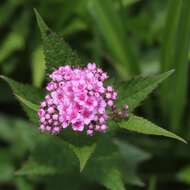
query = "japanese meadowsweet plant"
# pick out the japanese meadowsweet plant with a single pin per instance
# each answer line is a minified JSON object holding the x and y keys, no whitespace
{"x":78,"y":114}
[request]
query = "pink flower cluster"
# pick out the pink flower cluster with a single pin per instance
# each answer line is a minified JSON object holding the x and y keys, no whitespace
{"x":78,"y":99}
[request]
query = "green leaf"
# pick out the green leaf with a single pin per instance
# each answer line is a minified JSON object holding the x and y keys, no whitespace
{"x":56,"y":164}
{"x":50,"y":156}
{"x":132,"y":157}
{"x":169,"y":37}
{"x":129,"y":2}
{"x":29,"y":97}
{"x":83,"y":153}
{"x":137,"y":89}
{"x":18,"y":133}
{"x":21,"y":135}
{"x":141,"y":125}
{"x":11,"y":43}
{"x":31,"y":168}
{"x":57,"y":52}
{"x":175,"y":55}
{"x":81,"y":144}
{"x":23,"y":184}
{"x":152,"y":183}
{"x":104,"y":168}
{"x":6,"y":129}
{"x":25,"y":91}
{"x":15,"y":40}
{"x":180,"y":82}
{"x":184,"y":175}
{"x":112,"y":179}
{"x":38,"y":67}
{"x":6,"y":166}
{"x":29,"y":104}
{"x":70,"y":181}
{"x":111,"y":27}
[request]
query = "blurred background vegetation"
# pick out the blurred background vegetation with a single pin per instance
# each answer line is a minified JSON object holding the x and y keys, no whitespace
{"x":126,"y":38}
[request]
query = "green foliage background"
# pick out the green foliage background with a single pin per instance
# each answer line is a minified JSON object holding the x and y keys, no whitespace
{"x":126,"y":38}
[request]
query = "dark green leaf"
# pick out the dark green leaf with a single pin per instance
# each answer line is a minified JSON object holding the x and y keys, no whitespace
{"x":31,"y":168}
{"x":30,"y":97}
{"x":23,"y":184}
{"x":112,"y":179}
{"x":29,"y":104}
{"x":50,"y":156}
{"x":56,"y":163}
{"x":132,"y":157}
{"x":83,"y":153}
{"x":152,"y":183}
{"x":57,"y":51}
{"x":137,"y":89}
{"x":6,"y":166}
{"x":104,"y":167}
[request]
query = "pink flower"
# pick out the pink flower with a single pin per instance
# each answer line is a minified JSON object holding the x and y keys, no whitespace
{"x":110,"y":103}
{"x":78,"y":126}
{"x":126,"y":106}
{"x":77,"y":98}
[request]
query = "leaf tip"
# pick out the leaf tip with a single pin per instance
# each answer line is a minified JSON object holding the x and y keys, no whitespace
{"x":42,"y":25}
{"x":171,"y":71}
{"x":81,"y":168}
{"x":2,"y":77}
{"x":183,"y":140}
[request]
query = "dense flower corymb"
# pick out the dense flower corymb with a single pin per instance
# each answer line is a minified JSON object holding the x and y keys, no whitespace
{"x":77,"y":98}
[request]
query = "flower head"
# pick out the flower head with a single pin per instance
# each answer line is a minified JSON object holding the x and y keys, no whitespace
{"x":78,"y":99}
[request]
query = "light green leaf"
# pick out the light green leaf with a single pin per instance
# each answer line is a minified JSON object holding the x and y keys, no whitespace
{"x":11,"y":43}
{"x":141,"y":125}
{"x":57,"y":52}
{"x":137,"y":89}
{"x":110,"y":25}
{"x":38,"y":67}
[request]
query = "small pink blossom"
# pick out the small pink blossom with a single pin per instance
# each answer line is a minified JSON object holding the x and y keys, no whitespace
{"x":126,"y":106}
